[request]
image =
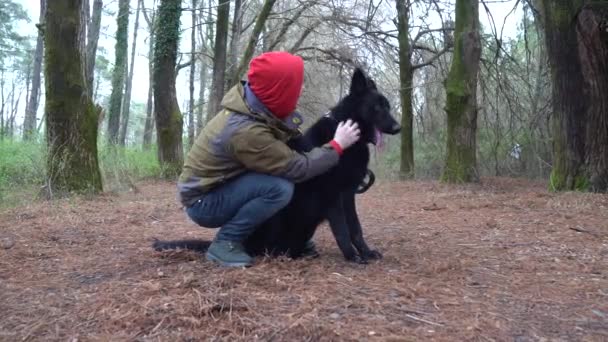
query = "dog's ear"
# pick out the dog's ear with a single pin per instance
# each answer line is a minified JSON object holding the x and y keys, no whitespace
{"x":371,"y":84}
{"x":359,"y":82}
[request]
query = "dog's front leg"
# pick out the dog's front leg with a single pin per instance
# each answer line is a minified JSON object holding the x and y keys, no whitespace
{"x":339,"y":227}
{"x":356,"y":233}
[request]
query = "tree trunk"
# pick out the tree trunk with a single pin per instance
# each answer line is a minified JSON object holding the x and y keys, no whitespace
{"x":577,"y":45}
{"x":149,"y":125}
{"x":253,"y":40}
{"x":118,"y":74}
{"x":205,"y":43}
{"x":169,"y":122}
{"x":592,"y":29}
{"x":406,"y":78}
{"x":219,"y":59}
{"x":13,"y":108}
{"x":233,"y":51}
{"x":191,"y":123}
{"x":29,"y":122}
{"x":569,"y":108}
{"x":92,"y":40}
{"x":461,"y":93}
{"x":126,"y":105}
{"x":82,"y":36}
{"x":2,"y":104}
{"x":71,"y":120}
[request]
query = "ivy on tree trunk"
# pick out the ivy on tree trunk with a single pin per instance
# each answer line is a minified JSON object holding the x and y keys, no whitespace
{"x":169,"y":121}
{"x":71,"y":118}
{"x":461,"y":93}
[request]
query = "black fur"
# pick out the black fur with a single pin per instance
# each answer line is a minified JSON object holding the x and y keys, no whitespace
{"x":330,"y":196}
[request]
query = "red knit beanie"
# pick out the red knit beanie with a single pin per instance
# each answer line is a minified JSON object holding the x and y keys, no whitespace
{"x":276,"y":79}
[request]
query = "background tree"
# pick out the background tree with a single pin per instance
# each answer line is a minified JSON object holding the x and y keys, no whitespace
{"x":169,"y":122}
{"x":206,"y":37}
{"x":253,"y":40}
{"x":149,"y":122}
{"x":71,"y":120}
{"x":126,"y":105}
{"x":191,"y":123}
{"x":120,"y":67}
{"x":235,"y":36}
{"x":92,"y":42}
{"x":461,"y":91}
{"x":406,"y":78}
{"x":29,"y":122}
{"x":219,"y":59}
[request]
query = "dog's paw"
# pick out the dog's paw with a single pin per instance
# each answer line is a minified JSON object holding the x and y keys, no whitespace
{"x":356,"y":258}
{"x":373,"y":254}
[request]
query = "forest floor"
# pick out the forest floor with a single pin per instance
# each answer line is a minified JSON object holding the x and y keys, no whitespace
{"x":501,"y":261}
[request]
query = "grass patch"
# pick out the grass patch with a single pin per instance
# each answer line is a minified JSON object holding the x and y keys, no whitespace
{"x":22,"y":169}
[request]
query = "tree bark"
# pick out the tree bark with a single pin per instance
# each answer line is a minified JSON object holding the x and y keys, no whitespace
{"x":2,"y":104}
{"x":461,"y":93}
{"x":406,"y":78}
{"x":92,"y":40}
{"x":233,"y":51}
{"x":592,"y":30}
{"x":126,"y":105}
{"x":169,"y":122}
{"x":29,"y":122}
{"x":118,"y":74}
{"x":149,"y":125}
{"x":253,"y":40}
{"x":71,"y":120}
{"x":205,"y":43}
{"x":219,"y":59}
{"x":568,"y":96}
{"x":191,"y":123}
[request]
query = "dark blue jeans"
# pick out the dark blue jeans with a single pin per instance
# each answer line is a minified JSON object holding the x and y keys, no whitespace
{"x":241,"y":204}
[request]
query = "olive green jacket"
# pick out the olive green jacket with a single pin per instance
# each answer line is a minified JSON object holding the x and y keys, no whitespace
{"x":245,"y":136}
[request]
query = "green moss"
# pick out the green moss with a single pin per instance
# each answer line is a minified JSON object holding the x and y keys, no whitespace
{"x":557,"y":181}
{"x":581,"y":183}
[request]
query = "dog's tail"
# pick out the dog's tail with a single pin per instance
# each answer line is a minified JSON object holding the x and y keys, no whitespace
{"x":194,"y":245}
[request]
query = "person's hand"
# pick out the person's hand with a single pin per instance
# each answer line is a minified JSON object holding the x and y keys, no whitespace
{"x":347,"y":134}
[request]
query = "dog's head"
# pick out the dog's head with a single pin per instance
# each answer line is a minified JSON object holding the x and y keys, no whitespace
{"x":369,"y":108}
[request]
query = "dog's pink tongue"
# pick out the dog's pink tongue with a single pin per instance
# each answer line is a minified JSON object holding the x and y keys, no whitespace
{"x":379,"y":140}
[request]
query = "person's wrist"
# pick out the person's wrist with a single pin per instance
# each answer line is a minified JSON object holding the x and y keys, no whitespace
{"x":337,"y":146}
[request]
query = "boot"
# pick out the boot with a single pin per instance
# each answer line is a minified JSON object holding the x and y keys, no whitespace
{"x":229,"y":253}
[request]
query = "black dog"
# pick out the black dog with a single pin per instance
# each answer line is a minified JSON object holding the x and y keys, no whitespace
{"x":330,"y":196}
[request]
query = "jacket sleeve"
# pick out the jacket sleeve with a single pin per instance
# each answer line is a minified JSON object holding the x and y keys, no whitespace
{"x":260,"y":151}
